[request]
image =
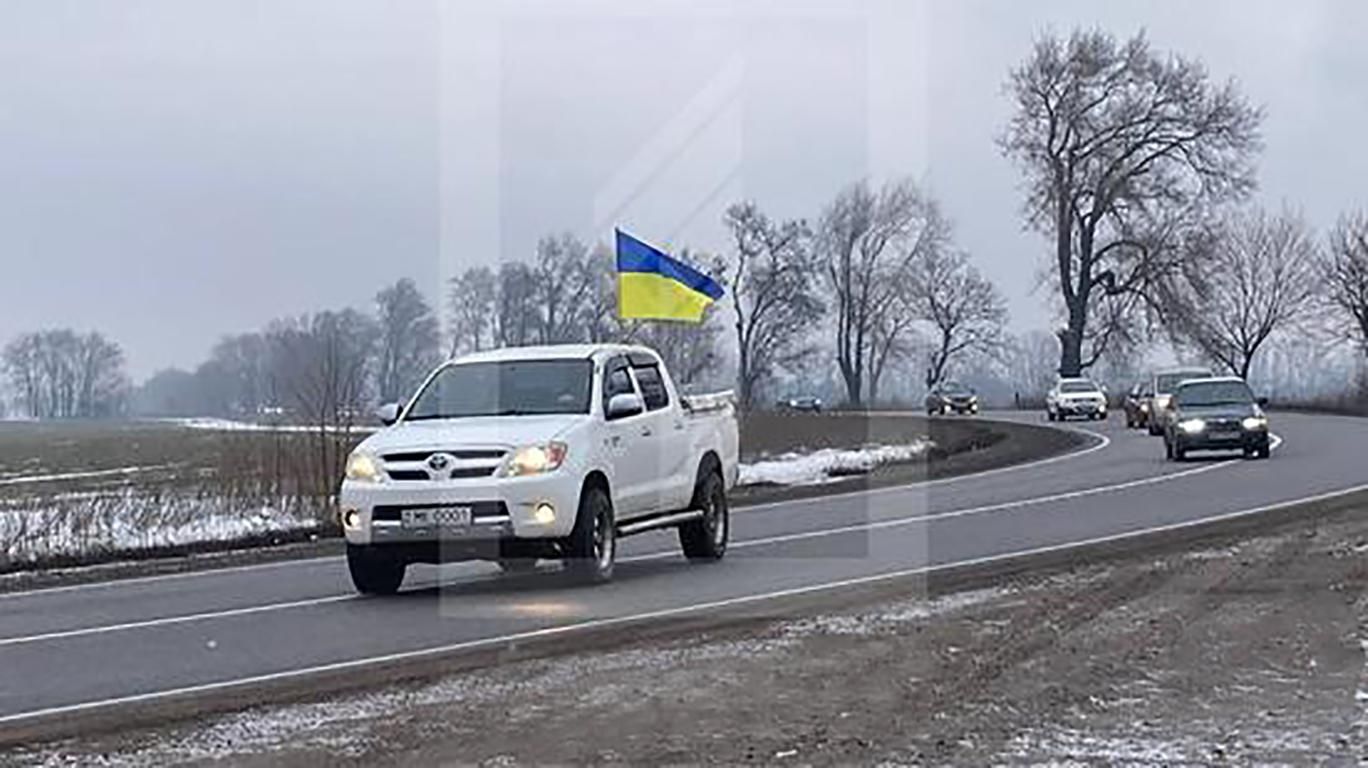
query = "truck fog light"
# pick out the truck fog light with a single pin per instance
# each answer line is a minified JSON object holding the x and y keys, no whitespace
{"x":544,"y":514}
{"x":351,"y":519}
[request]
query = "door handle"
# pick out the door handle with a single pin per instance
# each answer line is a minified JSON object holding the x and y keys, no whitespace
{"x":679,"y":425}
{"x":645,"y":431}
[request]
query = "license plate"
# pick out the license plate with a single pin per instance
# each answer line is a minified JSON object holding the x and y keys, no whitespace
{"x":445,"y":517}
{"x":1224,"y":434}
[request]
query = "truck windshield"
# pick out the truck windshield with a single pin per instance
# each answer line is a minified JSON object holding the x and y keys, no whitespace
{"x":513,"y":388}
{"x":1214,"y":393}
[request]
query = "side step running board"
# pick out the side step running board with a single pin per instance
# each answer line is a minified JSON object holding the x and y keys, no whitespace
{"x":664,"y":521}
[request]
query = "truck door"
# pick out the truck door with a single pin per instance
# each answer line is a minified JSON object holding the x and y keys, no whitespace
{"x":625,"y":442}
{"x":667,"y":440}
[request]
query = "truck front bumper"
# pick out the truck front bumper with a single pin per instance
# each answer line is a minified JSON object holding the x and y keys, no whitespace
{"x":501,"y":508}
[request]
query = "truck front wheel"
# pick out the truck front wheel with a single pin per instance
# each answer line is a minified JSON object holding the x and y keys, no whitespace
{"x":706,"y":538}
{"x":374,"y":571}
{"x":591,"y":549}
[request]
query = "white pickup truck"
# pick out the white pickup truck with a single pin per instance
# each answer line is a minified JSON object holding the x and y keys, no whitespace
{"x":531,"y":453}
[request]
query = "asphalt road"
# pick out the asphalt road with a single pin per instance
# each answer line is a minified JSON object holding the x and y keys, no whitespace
{"x":95,"y":648}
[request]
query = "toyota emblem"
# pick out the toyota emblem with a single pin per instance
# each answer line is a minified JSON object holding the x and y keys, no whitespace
{"x":438,"y":462}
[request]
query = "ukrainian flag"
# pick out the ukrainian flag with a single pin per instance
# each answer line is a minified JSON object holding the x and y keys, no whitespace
{"x":654,"y":286}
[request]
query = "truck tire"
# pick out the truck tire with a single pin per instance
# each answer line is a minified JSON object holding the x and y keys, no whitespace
{"x":705,"y":539}
{"x":374,"y":571}
{"x":591,"y":549}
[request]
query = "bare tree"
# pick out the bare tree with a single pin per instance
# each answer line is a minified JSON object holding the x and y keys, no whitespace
{"x":599,"y":314}
{"x":236,"y":379}
{"x":60,"y":374}
{"x":471,"y":306}
{"x":515,"y":311}
{"x":1345,"y":271}
{"x":408,"y":340}
{"x":771,"y":285}
{"x":963,"y":309}
{"x":563,"y":284}
{"x":1120,"y":147}
{"x":1253,"y":274}
{"x":321,"y":364}
{"x":866,"y":242}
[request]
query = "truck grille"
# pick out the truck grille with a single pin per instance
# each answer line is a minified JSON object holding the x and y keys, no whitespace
{"x":437,"y":464}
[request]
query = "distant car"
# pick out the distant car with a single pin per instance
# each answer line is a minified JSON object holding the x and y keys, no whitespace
{"x":1137,"y":404}
{"x":807,"y":404}
{"x":1216,"y":414}
{"x":951,"y":397}
{"x":1075,"y":397}
{"x":1162,"y":385}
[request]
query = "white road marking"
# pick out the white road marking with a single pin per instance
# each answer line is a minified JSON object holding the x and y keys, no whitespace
{"x":183,"y":619}
{"x":661,"y":555}
{"x":564,"y":629}
{"x":1103,"y":442}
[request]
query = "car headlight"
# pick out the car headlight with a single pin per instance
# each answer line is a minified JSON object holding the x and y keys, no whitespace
{"x":534,"y":460}
{"x":1192,"y":426}
{"x":1255,"y":423}
{"x":363,"y":467}
{"x":1161,"y":401}
{"x":1144,"y":407}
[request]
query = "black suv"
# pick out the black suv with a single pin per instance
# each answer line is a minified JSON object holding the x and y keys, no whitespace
{"x":1213,"y":415}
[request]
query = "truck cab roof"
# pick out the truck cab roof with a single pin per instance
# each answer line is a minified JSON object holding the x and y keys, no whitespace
{"x":555,"y":352}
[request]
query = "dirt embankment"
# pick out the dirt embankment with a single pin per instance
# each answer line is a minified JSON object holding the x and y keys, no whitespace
{"x":1228,"y":651}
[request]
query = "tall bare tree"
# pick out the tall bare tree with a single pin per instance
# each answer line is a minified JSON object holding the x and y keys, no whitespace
{"x":516,"y":321}
{"x":963,"y":308}
{"x":866,"y":242}
{"x":1345,"y":271}
{"x":409,"y":340}
{"x":563,"y":284}
{"x":1251,"y":275}
{"x":471,"y":307}
{"x":771,"y":281}
{"x":1120,"y":147}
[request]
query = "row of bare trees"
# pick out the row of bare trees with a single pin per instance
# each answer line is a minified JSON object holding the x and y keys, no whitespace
{"x":1138,"y":167}
{"x":62,"y":374}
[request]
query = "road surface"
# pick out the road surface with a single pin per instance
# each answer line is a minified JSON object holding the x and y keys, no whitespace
{"x":94,"y":649}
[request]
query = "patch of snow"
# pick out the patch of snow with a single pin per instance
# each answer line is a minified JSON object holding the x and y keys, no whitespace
{"x":132,"y":520}
{"x":228,"y":425}
{"x":119,"y":472}
{"x":828,"y":464}
{"x":886,"y":619}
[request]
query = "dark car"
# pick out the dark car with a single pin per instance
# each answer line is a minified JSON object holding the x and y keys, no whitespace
{"x":1218,"y":414}
{"x":951,"y":397}
{"x":807,"y":404}
{"x":1137,"y":404}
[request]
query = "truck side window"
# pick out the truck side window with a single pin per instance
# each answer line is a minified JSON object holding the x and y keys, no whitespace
{"x":653,"y":392}
{"x":616,"y":381}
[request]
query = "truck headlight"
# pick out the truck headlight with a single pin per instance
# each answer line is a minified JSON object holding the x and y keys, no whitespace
{"x":1255,"y":423}
{"x":1161,"y":402}
{"x":1192,"y":426}
{"x":363,"y":467}
{"x":534,"y":460}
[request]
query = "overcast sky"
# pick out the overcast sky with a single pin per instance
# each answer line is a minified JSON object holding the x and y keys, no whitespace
{"x":173,"y":171}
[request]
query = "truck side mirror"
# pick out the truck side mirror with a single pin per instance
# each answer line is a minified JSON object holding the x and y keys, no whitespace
{"x":387,"y":413}
{"x":623,"y":405}
{"x":1263,"y":402}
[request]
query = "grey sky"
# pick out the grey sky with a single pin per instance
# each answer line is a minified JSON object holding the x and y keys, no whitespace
{"x":173,"y":171}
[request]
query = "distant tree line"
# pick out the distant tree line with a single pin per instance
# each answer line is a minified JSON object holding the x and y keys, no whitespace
{"x":62,"y":374}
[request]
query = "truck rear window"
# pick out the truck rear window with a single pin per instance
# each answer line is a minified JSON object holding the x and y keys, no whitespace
{"x":512,"y":388}
{"x":653,"y":392}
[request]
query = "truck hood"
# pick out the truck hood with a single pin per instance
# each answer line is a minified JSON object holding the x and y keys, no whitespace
{"x":491,"y":431}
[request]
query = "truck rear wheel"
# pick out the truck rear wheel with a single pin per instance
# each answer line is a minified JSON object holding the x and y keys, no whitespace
{"x":591,"y":549}
{"x":374,"y":571}
{"x":706,"y":538}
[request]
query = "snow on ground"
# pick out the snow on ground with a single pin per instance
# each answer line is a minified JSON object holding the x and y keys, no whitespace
{"x":828,"y":464}
{"x":130,"y":520}
{"x":228,"y":425}
{"x":118,"y":472}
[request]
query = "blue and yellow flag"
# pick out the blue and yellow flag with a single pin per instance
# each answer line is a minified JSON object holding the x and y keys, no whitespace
{"x":654,"y":286}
